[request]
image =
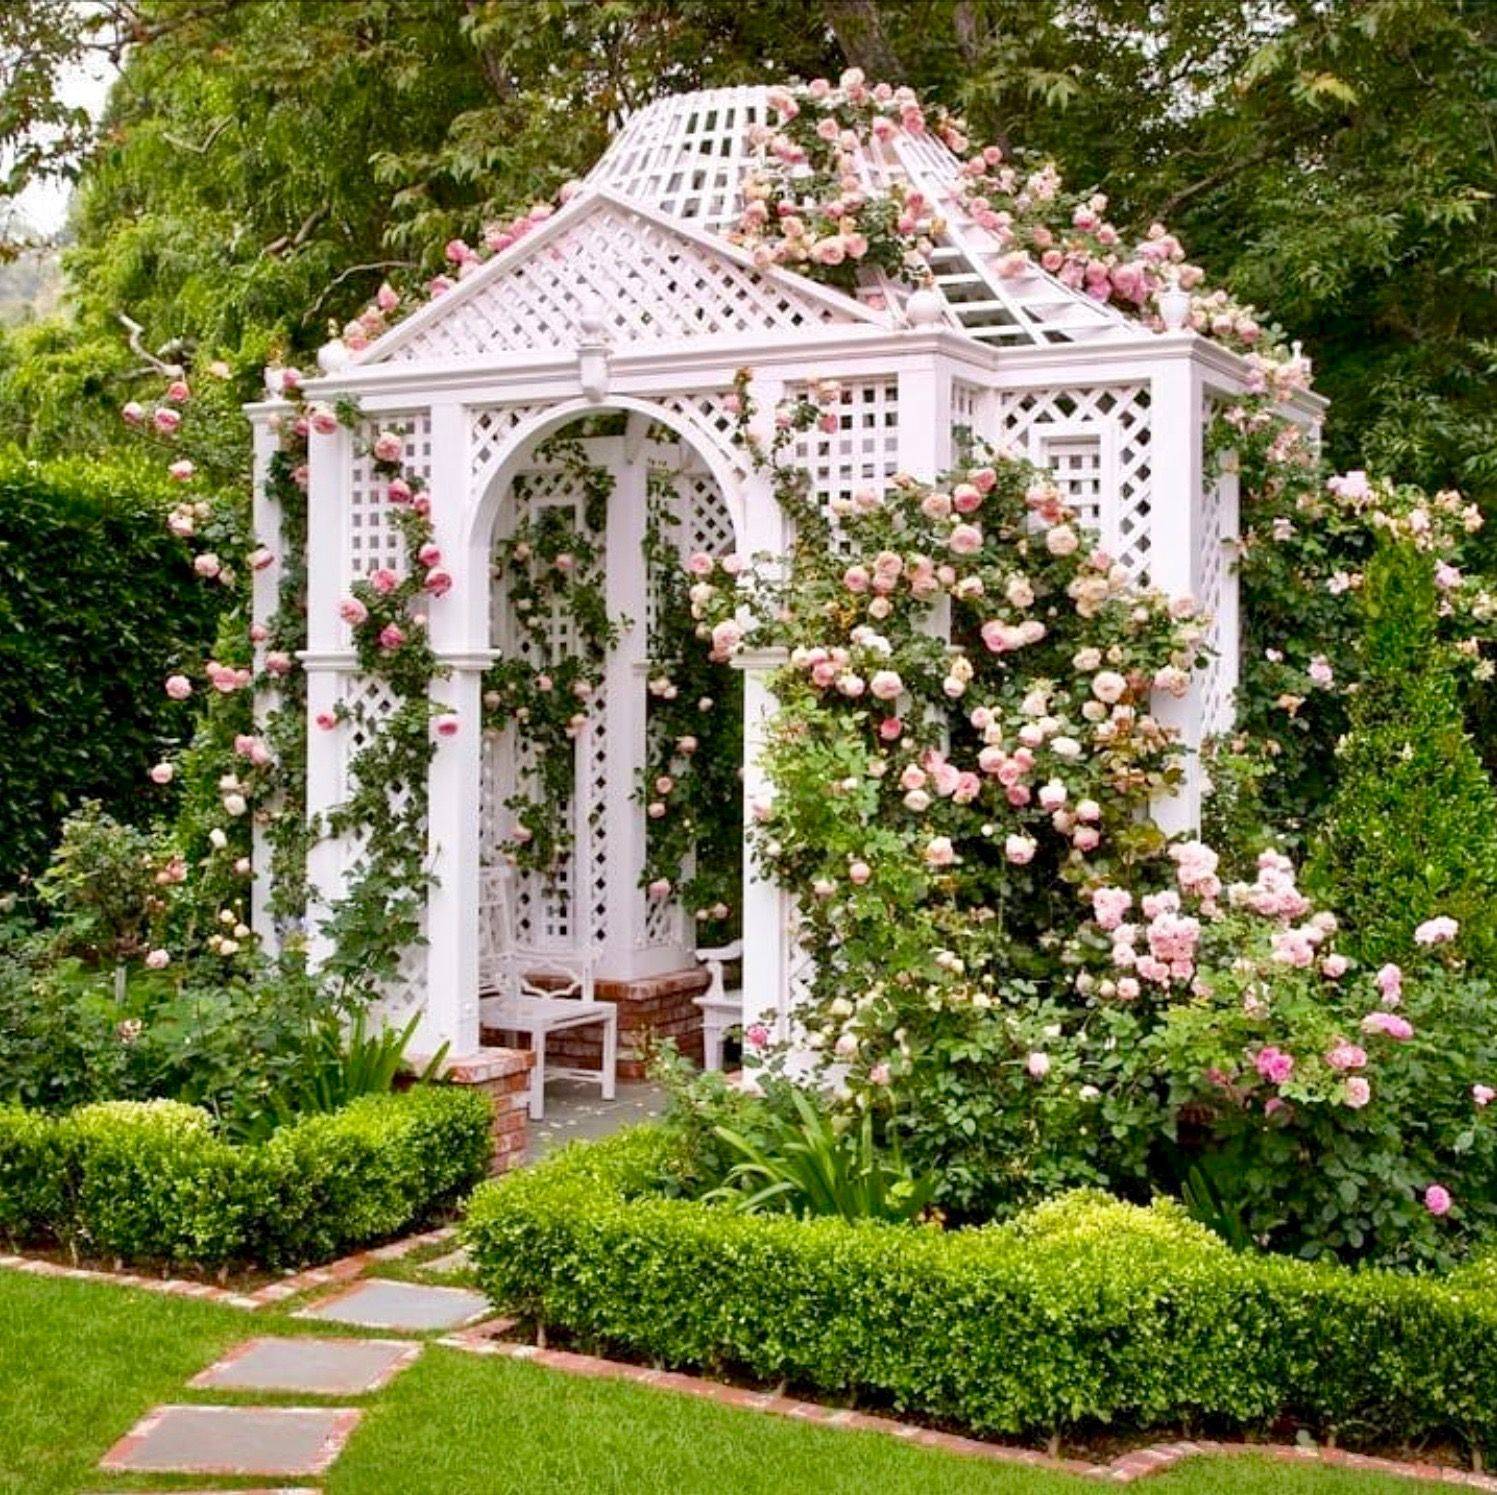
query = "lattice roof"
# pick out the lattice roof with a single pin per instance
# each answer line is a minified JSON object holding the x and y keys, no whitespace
{"x":687,"y":156}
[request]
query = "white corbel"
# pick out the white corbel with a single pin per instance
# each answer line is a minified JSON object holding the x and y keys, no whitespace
{"x":592,"y":351}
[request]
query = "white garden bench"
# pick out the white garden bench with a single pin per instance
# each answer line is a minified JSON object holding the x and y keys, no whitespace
{"x":538,"y":993}
{"x":722,"y":1010}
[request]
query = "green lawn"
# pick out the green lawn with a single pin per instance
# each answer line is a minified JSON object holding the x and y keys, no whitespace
{"x":79,"y":1362}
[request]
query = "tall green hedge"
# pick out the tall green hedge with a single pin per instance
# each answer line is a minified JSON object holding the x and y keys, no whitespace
{"x":98,"y":604}
{"x":154,"y":1182}
{"x":1411,"y":832}
{"x":1082,"y":1313}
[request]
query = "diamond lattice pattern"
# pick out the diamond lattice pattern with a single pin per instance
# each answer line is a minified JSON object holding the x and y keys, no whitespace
{"x":648,"y":284}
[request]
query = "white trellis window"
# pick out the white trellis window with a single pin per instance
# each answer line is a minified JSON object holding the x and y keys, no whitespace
{"x":629,"y":303}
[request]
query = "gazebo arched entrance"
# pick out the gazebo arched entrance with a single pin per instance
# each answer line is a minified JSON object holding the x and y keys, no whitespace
{"x":610,"y":817}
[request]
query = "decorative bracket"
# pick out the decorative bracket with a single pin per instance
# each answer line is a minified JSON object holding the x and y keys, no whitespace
{"x":592,"y":351}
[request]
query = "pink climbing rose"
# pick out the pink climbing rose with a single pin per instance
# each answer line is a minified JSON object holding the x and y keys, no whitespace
{"x":1274,"y":1064}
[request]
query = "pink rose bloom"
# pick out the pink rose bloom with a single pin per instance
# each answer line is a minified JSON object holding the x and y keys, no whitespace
{"x":659,"y":889}
{"x":1358,"y":1092}
{"x":178,"y":687}
{"x":326,"y":721}
{"x":1273,"y":1064}
{"x":885,"y":685}
{"x":855,"y":578}
{"x":166,"y":421}
{"x":1019,"y":849}
{"x":859,"y":873}
{"x":756,"y":1035}
{"x":389,"y":446}
{"x":391,"y":636}
{"x":181,"y":471}
{"x":261,"y":559}
{"x":429,"y":555}
{"x":158,"y":960}
{"x":278,"y":662}
{"x":132,"y":412}
{"x":1061,"y":540}
{"x":1345,"y":1055}
{"x":399,"y":491}
{"x":438,"y":582}
{"x":446,"y":724}
{"x":890,"y":728}
{"x":1038,"y":1065}
{"x":323,"y":420}
{"x":1388,"y":1024}
{"x":1086,"y":838}
{"x":1438,"y":931}
{"x":1483,"y":1095}
{"x":940,"y":852}
{"x":1335,"y":966}
{"x":879,"y":1074}
{"x":966,"y":539}
{"x":353,"y":612}
{"x":1390,"y":983}
{"x":383,"y":580}
{"x":177,"y":392}
{"x":1437,"y":1200}
{"x":162,"y":773}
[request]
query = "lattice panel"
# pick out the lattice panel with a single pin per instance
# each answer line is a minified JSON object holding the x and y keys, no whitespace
{"x":687,"y":154}
{"x":1213,"y":579}
{"x":863,"y":452}
{"x":968,"y":408}
{"x":489,"y":432}
{"x":708,"y":417}
{"x":1122,"y":411}
{"x":1076,"y":462}
{"x":593,"y":751}
{"x":373,"y":540}
{"x":648,"y":284}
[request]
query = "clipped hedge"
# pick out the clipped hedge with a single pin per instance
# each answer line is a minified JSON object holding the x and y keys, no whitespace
{"x":1085,"y":1312}
{"x":154,"y":1182}
{"x":99,"y":606}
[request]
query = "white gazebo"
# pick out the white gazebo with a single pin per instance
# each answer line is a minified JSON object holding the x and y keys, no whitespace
{"x":631,"y":300}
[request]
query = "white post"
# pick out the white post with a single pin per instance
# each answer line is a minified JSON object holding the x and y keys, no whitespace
{"x":1227,"y":631}
{"x":624,"y":715}
{"x":454,"y":780}
{"x":328,"y":663}
{"x":1176,"y":464}
{"x":265,"y":588}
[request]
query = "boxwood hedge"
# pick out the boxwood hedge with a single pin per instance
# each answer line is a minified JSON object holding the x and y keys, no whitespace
{"x":154,"y":1182}
{"x":1083,"y":1313}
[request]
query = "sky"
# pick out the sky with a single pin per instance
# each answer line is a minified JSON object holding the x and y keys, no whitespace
{"x":44,"y":205}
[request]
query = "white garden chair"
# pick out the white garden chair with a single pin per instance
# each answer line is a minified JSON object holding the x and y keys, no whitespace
{"x":722,"y":1009}
{"x":538,"y":993}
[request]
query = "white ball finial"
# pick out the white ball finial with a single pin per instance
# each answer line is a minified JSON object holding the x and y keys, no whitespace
{"x":924,"y":307}
{"x":332,"y":357}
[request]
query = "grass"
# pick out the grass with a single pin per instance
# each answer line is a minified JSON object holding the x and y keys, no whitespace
{"x":80,"y":1362}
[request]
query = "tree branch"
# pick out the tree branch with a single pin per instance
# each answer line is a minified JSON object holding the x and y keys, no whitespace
{"x":139,"y":349}
{"x":352,"y":270}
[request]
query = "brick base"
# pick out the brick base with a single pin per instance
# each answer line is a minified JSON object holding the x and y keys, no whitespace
{"x":652,"y":1008}
{"x":504,"y":1076}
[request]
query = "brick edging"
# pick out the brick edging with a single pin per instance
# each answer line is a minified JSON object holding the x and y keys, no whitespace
{"x":1138,"y":1463}
{"x":344,"y":1269}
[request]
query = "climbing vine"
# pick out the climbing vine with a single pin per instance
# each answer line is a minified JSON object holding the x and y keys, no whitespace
{"x":552,"y":568}
{"x":689,"y":783}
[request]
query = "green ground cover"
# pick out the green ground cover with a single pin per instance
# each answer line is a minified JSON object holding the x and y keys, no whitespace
{"x":79,"y":1362}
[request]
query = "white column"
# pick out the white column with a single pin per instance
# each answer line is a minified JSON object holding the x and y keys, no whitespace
{"x":265,"y":588}
{"x":925,"y":416}
{"x":1228,"y":630}
{"x":766,"y":906}
{"x":454,"y":780}
{"x":328,"y":661}
{"x":1176,"y":464}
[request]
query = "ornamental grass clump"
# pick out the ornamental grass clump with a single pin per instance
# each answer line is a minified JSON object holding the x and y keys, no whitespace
{"x":1411,"y":835}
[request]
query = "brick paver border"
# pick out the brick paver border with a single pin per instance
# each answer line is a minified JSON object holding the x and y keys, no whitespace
{"x":1137,"y":1464}
{"x":344,"y":1269}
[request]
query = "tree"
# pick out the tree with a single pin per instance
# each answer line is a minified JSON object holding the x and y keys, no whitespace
{"x":1411,"y":834}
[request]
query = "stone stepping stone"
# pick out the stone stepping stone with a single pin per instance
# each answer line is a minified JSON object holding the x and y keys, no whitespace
{"x":326,"y":1367}
{"x":234,"y":1440}
{"x":377,"y":1303}
{"x":454,"y":1261}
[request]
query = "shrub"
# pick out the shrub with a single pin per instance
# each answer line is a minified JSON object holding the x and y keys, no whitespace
{"x":100,"y":602}
{"x":1081,"y":1313}
{"x":156,"y":1182}
{"x":1412,"y":831}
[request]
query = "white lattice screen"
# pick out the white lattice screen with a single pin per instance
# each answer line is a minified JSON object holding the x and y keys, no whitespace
{"x":648,"y":283}
{"x":863,"y":452}
{"x":1213,"y":578}
{"x":1114,"y":422}
{"x":373,"y":540}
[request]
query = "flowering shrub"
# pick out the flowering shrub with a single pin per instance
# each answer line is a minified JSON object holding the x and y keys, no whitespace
{"x":1010,"y":963}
